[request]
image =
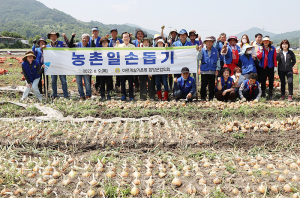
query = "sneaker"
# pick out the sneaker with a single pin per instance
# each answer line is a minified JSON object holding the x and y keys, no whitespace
{"x":108,"y":97}
{"x":87,"y":97}
{"x":82,"y":98}
{"x":123,"y":98}
{"x":283,"y":97}
{"x":290,"y":98}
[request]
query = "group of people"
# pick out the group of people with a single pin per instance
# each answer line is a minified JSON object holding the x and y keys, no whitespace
{"x":229,"y":69}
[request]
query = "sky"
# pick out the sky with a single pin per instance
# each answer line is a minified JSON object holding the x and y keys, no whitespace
{"x":207,"y":17}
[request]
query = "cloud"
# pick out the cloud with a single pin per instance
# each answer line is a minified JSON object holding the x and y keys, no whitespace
{"x":124,"y":7}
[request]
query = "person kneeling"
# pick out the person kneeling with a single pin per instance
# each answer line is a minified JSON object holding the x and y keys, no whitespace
{"x":185,"y":86}
{"x":250,"y":89}
{"x":225,"y":86}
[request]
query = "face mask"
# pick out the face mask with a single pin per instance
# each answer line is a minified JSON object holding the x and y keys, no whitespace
{"x":249,"y":52}
{"x":244,"y":41}
{"x":238,"y":74}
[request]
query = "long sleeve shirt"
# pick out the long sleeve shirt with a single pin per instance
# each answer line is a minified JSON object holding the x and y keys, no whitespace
{"x":40,"y":70}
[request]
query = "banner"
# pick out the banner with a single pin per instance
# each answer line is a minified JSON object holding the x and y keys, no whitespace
{"x":120,"y":61}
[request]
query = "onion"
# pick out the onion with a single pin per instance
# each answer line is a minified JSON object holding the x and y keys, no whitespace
{"x":217,"y":181}
{"x":111,"y":174}
{"x":52,"y":181}
{"x":275,"y":188}
{"x":295,"y":178}
{"x":280,"y":178}
{"x":191,"y":190}
{"x":47,"y":191}
{"x":86,"y":174}
{"x":134,"y":191}
{"x":136,"y":181}
{"x":136,"y":174}
{"x":91,"y":193}
{"x":124,"y":173}
{"x":235,"y":191}
{"x":296,"y":195}
{"x":161,"y":174}
{"x":202,"y":181}
{"x":248,"y":189}
{"x":262,"y":189}
{"x":150,"y":181}
{"x":32,"y":191}
{"x":176,"y":173}
{"x":294,"y":166}
{"x":287,"y":188}
{"x":205,"y":191}
{"x":72,"y":174}
{"x":176,"y":182}
{"x":66,"y":182}
{"x":148,"y":191}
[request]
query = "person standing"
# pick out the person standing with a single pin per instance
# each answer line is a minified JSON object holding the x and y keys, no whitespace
{"x":286,"y":60}
{"x":53,"y":36}
{"x":220,"y":43}
{"x":257,"y":44}
{"x":231,"y":53}
{"x":268,"y":65}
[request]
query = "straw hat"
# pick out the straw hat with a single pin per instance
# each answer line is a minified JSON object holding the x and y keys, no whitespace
{"x":30,"y":53}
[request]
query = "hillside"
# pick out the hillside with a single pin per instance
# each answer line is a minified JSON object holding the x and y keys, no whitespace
{"x":293,"y":37}
{"x":37,"y":19}
{"x":252,"y":31}
{"x":153,"y":32}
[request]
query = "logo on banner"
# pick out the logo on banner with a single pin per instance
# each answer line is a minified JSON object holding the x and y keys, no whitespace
{"x":47,"y":66}
{"x":117,"y":70}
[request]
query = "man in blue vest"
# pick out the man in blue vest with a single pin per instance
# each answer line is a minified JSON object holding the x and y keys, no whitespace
{"x":95,"y":36}
{"x":210,"y":66}
{"x":181,"y":42}
{"x":63,"y":78}
{"x":185,"y":86}
{"x":38,"y":52}
{"x":219,"y":45}
{"x":113,"y":40}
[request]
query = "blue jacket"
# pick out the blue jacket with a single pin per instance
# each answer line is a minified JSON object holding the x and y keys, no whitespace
{"x":270,"y":58}
{"x":59,"y":44}
{"x":209,"y":63}
{"x":111,"y":42}
{"x":227,"y":86}
{"x":219,"y":46}
{"x":38,"y":54}
{"x":178,"y":43}
{"x":248,"y":65}
{"x":33,"y":72}
{"x":190,"y":85}
{"x":136,"y":43}
{"x":97,"y":42}
{"x":246,"y":86}
{"x":228,"y":56}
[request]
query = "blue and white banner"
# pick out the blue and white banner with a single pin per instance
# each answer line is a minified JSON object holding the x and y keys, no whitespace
{"x":120,"y":61}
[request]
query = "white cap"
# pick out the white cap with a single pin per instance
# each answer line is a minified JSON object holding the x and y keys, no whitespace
{"x":160,"y":40}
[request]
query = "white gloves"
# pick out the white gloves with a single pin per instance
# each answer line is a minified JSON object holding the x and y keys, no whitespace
{"x":275,"y":69}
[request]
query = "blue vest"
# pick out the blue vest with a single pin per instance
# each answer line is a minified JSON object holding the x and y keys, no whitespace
{"x":136,"y":43}
{"x":209,"y":63}
{"x":195,"y":43}
{"x":38,"y":54}
{"x":111,"y":42}
{"x":228,"y":56}
{"x":178,"y":43}
{"x":248,"y":65}
{"x":228,"y":85}
{"x":97,"y":42}
{"x":188,"y":85}
{"x":270,"y":58}
{"x":246,"y":86}
{"x":219,"y":46}
{"x":79,"y":45}
{"x":31,"y":73}
{"x":59,"y":44}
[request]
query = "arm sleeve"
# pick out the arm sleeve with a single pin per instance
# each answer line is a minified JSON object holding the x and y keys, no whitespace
{"x":226,"y":52}
{"x":193,"y":87}
{"x":241,"y":91}
{"x":240,"y":63}
{"x":201,"y":43}
{"x":199,"y":55}
{"x":293,"y":59}
{"x":40,"y":69}
{"x":274,"y":58}
{"x":71,"y":44}
{"x":256,"y":62}
{"x":176,"y":86}
{"x":259,"y":93}
{"x":93,"y":43}
{"x":278,"y":57}
{"x":25,"y":75}
{"x":66,"y":41}
{"x":259,"y":54}
{"x":218,"y":64}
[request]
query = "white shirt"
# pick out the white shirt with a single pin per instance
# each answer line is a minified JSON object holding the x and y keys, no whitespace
{"x":284,"y":53}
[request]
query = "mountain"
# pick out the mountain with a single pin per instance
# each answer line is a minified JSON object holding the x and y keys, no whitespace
{"x":31,"y":18}
{"x":252,"y":31}
{"x":147,"y":30}
{"x":293,"y":37}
